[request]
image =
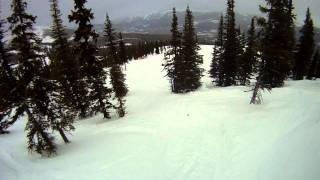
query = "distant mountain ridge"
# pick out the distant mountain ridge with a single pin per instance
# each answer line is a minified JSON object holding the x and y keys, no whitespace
{"x":206,"y":23}
{"x":158,"y":25}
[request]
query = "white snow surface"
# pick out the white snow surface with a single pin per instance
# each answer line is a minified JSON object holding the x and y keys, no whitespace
{"x":47,"y":39}
{"x":210,"y":134}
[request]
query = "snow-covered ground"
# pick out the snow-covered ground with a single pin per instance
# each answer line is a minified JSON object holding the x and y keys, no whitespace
{"x":210,"y":134}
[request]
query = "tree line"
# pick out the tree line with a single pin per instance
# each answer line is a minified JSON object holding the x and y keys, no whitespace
{"x":141,"y":49}
{"x":267,"y":55}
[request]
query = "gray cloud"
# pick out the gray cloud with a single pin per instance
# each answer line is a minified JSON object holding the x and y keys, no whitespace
{"x":120,"y":9}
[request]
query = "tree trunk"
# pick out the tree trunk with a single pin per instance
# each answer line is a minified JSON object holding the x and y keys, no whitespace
{"x":63,"y":135}
{"x":255,"y":93}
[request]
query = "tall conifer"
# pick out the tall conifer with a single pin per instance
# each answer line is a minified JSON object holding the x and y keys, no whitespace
{"x":215,"y":71}
{"x":172,"y":56}
{"x":190,"y":73}
{"x":116,"y":75}
{"x":230,"y":54}
{"x":91,"y":68}
{"x":33,"y":87}
{"x":7,"y":84}
{"x":305,"y":48}
{"x":64,"y":73}
{"x":249,"y":59}
{"x":291,"y":34}
{"x":277,"y":55}
{"x":123,"y":59}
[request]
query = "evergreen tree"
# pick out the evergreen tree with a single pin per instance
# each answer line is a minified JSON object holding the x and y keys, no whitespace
{"x":291,"y":36}
{"x":123,"y":59}
{"x":312,"y":73}
{"x":32,"y":88}
{"x":113,"y":60}
{"x":172,"y":56}
{"x":109,"y":34}
{"x":189,"y":74}
{"x":231,"y":47}
{"x":240,"y":49}
{"x":64,"y":73}
{"x":95,"y":97}
{"x":277,"y":55}
{"x":157,"y":46}
{"x":216,"y":65}
{"x":249,"y":59}
{"x":305,"y":49}
{"x":7,"y":84}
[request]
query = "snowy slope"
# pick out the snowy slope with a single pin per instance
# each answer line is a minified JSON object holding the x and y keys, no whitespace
{"x":211,"y":134}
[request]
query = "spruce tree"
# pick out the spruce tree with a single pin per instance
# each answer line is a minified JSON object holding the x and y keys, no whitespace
{"x":231,"y":47}
{"x":240,"y":49}
{"x":291,"y":36}
{"x":113,"y":60}
{"x":32,"y":88}
{"x":312,"y":73}
{"x":249,"y":58}
{"x":64,"y":73}
{"x":190,"y":73}
{"x":305,"y":49}
{"x":157,"y":47}
{"x":7,"y":84}
{"x":95,"y":94}
{"x":172,"y":56}
{"x":123,"y":59}
{"x":216,"y":65}
{"x":276,"y":54}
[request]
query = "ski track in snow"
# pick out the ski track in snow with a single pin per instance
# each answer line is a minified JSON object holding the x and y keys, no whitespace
{"x":210,"y":134}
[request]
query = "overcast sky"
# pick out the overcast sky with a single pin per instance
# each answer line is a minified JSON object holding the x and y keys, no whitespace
{"x":120,"y":9}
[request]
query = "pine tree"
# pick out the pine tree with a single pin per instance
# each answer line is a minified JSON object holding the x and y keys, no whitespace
{"x":276,"y":54}
{"x":95,"y":93}
{"x":113,"y":60}
{"x":157,"y":46}
{"x":172,"y":56}
{"x":190,"y":73}
{"x":249,"y":58}
{"x":240,"y":49}
{"x":32,"y":88}
{"x":64,"y":73}
{"x":312,"y":73}
{"x":291,"y":36}
{"x":216,"y":65}
{"x":123,"y":59}
{"x":231,"y":46}
{"x":305,"y":49}
{"x":7,"y":84}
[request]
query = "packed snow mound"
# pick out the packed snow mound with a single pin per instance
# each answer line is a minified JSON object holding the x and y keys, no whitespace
{"x":210,"y":134}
